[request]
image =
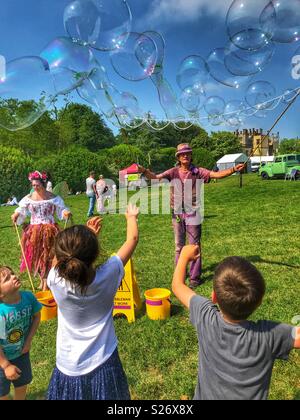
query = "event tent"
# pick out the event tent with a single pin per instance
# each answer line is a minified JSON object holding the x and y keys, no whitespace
{"x":124,"y":175}
{"x":229,"y":161}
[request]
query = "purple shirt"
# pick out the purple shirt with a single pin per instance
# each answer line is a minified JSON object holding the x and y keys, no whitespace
{"x":193,"y":174}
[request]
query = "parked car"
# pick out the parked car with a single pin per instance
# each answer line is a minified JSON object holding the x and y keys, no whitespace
{"x":281,"y":166}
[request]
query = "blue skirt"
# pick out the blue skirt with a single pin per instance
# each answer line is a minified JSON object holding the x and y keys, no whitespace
{"x":107,"y":382}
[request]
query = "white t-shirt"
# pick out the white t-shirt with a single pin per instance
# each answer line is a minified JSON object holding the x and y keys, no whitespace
{"x":90,"y":182}
{"x":86,"y":336}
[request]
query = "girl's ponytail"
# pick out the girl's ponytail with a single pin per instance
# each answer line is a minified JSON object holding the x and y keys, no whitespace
{"x":76,"y":249}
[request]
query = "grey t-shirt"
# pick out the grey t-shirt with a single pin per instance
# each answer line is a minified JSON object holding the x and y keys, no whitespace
{"x":236,"y":360}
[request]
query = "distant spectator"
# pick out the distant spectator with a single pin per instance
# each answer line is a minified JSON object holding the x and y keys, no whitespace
{"x":12,"y":201}
{"x":91,"y":193}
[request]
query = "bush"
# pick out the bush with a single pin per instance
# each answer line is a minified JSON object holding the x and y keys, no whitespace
{"x":203,"y":158}
{"x":73,"y":166}
{"x":14,"y":170}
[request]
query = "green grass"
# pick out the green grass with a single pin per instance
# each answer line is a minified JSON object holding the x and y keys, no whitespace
{"x":259,"y":222}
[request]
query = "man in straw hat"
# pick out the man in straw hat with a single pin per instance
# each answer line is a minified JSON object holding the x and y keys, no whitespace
{"x":185,"y":205}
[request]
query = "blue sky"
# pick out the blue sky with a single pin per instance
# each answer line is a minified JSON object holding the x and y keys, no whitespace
{"x":188,"y":26}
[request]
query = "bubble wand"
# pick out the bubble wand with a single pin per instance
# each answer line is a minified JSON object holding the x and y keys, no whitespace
{"x":24,"y":257}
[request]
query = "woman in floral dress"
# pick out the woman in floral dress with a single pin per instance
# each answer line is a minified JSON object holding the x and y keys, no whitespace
{"x":38,"y":236}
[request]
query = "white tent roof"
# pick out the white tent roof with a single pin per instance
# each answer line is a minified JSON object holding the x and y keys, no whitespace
{"x":258,"y":159}
{"x":238,"y":157}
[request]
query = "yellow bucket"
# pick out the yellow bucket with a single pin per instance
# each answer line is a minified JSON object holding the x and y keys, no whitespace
{"x":158,"y":303}
{"x":49,"y":310}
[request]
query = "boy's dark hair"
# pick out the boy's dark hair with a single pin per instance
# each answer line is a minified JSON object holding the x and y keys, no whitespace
{"x":239,"y":287}
{"x":76,"y":249}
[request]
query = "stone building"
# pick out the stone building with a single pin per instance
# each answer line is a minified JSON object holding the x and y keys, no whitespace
{"x":251,"y":141}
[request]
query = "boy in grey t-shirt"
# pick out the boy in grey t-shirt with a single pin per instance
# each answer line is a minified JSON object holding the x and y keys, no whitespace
{"x":236,"y":356}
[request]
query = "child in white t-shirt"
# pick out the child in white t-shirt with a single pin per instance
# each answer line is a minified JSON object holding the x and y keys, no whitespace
{"x":87,"y":361}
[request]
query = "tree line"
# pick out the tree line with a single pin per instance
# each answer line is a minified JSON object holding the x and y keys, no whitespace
{"x":70,"y":141}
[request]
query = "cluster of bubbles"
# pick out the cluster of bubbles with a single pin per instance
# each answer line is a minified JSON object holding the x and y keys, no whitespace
{"x":66,"y":64}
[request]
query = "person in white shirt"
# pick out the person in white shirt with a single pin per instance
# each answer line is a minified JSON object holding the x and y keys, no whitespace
{"x":87,"y":362}
{"x":91,"y":193}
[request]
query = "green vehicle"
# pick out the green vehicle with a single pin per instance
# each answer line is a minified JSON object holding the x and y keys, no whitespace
{"x":282,"y":165}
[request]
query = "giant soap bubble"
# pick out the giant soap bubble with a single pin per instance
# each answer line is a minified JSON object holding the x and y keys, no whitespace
{"x":69,"y":63}
{"x":192,"y":72}
{"x":136,"y":58}
{"x":214,"y":105}
{"x":26,"y":91}
{"x":232,"y":113}
{"x":98,"y":23}
{"x":261,"y":96}
{"x":160,"y":47}
{"x":244,"y":62}
{"x":287,"y":22}
{"x":244,"y":26}
{"x":190,"y":100}
{"x":219,"y":72}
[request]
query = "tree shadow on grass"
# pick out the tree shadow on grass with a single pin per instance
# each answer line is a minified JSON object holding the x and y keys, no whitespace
{"x":258,"y":259}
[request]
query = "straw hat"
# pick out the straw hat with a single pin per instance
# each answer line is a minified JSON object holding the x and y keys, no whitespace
{"x":183,"y":148}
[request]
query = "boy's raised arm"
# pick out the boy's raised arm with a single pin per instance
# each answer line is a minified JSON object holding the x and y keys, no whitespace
{"x":181,"y":291}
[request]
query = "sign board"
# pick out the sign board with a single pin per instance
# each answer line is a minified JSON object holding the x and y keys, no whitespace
{"x":133,"y":177}
{"x":127,"y":298}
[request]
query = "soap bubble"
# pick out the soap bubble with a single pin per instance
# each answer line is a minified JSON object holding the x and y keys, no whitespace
{"x":135,"y":59}
{"x":189,"y":100}
{"x":214,"y":105}
{"x":244,"y":62}
{"x":216,"y":120}
{"x":219,"y":72}
{"x":192,"y":71}
{"x":167,"y":98}
{"x":232,"y":112}
{"x":261,"y":95}
{"x":287,"y":22}
{"x":160,"y":47}
{"x":26,"y":92}
{"x":69,"y":63}
{"x":98,"y":23}
{"x":289,"y":95}
{"x":244,"y":26}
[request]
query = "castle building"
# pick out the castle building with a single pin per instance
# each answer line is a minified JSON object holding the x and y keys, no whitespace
{"x":252,"y":139}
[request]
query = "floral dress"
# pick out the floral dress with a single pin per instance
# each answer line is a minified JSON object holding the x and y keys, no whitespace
{"x":38,"y":237}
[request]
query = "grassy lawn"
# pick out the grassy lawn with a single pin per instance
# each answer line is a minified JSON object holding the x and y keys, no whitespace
{"x":259,"y":222}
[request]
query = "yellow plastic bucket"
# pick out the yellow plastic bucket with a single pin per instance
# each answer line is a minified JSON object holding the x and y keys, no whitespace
{"x":49,"y":310}
{"x":158,"y":303}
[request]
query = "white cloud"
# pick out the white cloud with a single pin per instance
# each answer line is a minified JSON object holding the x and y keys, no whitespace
{"x":185,"y":10}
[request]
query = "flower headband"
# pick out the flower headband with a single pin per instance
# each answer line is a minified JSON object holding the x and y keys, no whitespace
{"x":37,"y":176}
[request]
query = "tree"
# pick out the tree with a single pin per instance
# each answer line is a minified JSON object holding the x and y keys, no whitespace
{"x":123,"y":155}
{"x":202,"y":140}
{"x":223,"y":143}
{"x":289,"y":146}
{"x":203,"y":158}
{"x":80,"y":125}
{"x":73,"y":166}
{"x":14,"y":170}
